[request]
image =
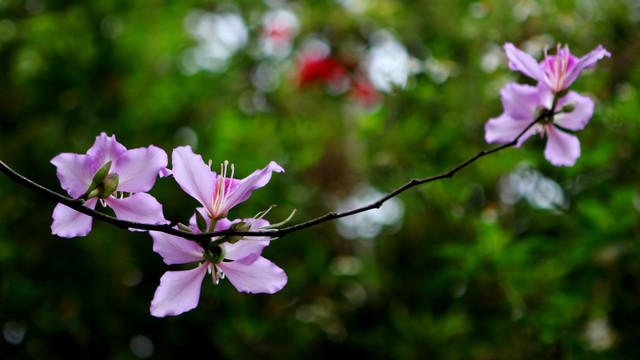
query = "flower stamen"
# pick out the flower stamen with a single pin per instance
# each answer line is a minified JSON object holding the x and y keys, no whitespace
{"x":223,"y":188}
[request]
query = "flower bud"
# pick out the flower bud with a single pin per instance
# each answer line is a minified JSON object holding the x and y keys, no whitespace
{"x":109,"y":185}
{"x":184,"y":227}
{"x":215,"y":253}
{"x":201,"y":222}
{"x":241,"y":226}
{"x":98,"y":178}
{"x":568,"y":108}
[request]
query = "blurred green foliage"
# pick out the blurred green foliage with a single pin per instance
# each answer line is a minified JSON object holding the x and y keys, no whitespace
{"x":465,"y":275}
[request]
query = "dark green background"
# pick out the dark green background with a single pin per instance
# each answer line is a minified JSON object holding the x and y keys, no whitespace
{"x":465,"y":276}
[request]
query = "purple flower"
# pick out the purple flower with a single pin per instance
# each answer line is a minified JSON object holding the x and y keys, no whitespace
{"x":241,"y":262}
{"x":105,"y":174}
{"x":561,"y":110}
{"x":557,"y":72}
{"x":217,"y":193}
{"x":523,"y":103}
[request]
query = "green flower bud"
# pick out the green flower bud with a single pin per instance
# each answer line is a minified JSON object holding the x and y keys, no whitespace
{"x":241,"y":226}
{"x":235,"y":239}
{"x":568,"y":108}
{"x":201,"y":222}
{"x":98,"y":178}
{"x":184,"y":227}
{"x":109,"y":185}
{"x":214,"y":254}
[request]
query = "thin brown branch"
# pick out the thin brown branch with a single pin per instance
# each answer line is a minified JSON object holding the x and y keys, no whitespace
{"x":273,"y":233}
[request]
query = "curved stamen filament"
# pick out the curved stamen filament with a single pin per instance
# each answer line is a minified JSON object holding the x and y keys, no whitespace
{"x":557,"y":67}
{"x":222,"y":190}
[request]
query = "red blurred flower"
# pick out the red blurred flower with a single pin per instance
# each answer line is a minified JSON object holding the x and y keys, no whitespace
{"x":363,"y":91}
{"x":314,"y":66}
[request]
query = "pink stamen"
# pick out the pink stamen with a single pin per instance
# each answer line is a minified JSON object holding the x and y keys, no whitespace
{"x":557,"y":66}
{"x":223,"y":187}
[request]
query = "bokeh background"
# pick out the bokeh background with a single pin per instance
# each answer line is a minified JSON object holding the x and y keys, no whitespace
{"x":513,"y":258}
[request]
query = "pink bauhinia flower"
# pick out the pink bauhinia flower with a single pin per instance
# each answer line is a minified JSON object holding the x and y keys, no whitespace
{"x":241,"y":262}
{"x":557,"y":72}
{"x":104,"y":175}
{"x":216,"y":192}
{"x":523,"y":103}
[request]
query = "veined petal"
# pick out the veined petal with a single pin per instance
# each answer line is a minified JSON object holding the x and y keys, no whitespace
{"x":562,"y":149}
{"x":194,"y":176}
{"x":137,"y":169}
{"x":586,"y":62}
{"x":243,"y":188}
{"x":254,"y":274}
{"x":164,"y":172}
{"x":545,"y":96}
{"x":174,"y":249}
{"x":178,"y":292}
{"x":577,"y":118}
{"x":105,"y":149}
{"x":223,"y":224}
{"x":520,"y":101}
{"x":244,"y":248}
{"x":504,"y":129}
{"x":248,"y":245}
{"x":75,"y":173}
{"x":523,"y":62}
{"x":69,"y":223}
{"x":140,"y":207}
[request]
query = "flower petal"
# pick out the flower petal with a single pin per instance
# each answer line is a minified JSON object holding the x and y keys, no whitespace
{"x":562,"y":149}
{"x":586,"y":62}
{"x":194,"y":176}
{"x":69,"y":223}
{"x":105,"y":149}
{"x":164,"y":172}
{"x":523,"y":62}
{"x":75,"y":173}
{"x":578,"y":118}
{"x":244,"y":248}
{"x":504,"y":129}
{"x":140,"y":207}
{"x":254,"y":274}
{"x":174,"y":249}
{"x":137,"y":169}
{"x":242,"y":189}
{"x":521,"y":101}
{"x":247,"y":245}
{"x":178,"y":292}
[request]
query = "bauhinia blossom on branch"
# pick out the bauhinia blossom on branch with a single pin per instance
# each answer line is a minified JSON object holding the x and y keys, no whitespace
{"x":217,"y":193}
{"x":247,"y":270}
{"x":568,"y":110}
{"x":115,"y":177}
{"x":119,"y":178}
{"x":239,"y":260}
{"x":270,"y":232}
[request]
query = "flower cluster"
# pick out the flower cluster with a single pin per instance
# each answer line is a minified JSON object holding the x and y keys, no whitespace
{"x":556,"y":109}
{"x":240,"y":261}
{"x":112,"y":175}
{"x":119,"y":178}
